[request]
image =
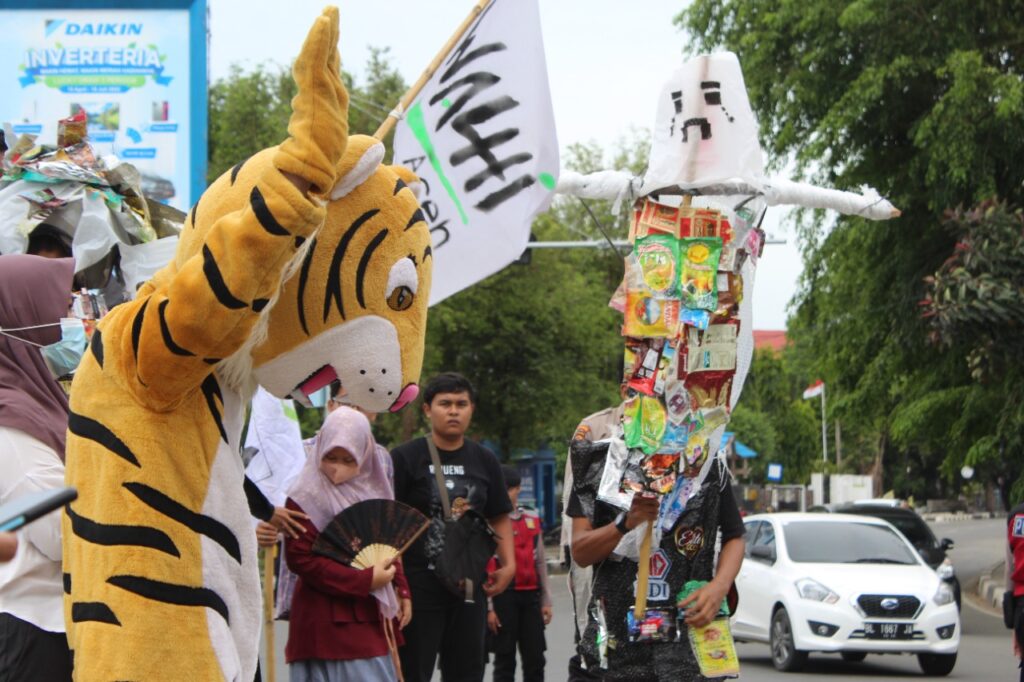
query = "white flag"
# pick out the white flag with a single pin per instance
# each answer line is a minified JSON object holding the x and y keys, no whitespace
{"x":704,"y":130}
{"x":481,"y":135}
{"x":274,"y":431}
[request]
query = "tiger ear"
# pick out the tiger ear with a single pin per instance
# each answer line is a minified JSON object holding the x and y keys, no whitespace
{"x":410,"y":179}
{"x":362,"y":157}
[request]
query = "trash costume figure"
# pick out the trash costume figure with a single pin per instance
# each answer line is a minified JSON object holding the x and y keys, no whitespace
{"x":271,"y":285}
{"x":614,"y":580}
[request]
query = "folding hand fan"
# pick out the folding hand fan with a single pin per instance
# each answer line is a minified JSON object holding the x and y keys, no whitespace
{"x":370,"y":531}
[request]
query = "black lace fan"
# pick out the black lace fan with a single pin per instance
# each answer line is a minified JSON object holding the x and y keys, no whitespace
{"x":370,"y":531}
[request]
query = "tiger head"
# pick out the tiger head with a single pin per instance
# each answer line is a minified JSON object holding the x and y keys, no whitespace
{"x":352,"y":304}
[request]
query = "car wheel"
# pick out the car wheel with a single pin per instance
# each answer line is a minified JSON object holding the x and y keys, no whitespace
{"x":785,"y":656}
{"x":854,"y":656}
{"x":936,"y":664}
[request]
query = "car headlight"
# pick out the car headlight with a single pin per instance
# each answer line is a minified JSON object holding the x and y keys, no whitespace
{"x":946,"y":570}
{"x":943,"y":595}
{"x":815,"y":591}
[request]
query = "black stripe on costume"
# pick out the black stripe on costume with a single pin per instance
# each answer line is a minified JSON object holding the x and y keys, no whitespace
{"x":427,"y":252}
{"x":234,"y":171}
{"x":258,"y":304}
{"x":263,"y":214}
{"x":399,"y":186}
{"x":195,"y":212}
{"x":95,"y":612}
{"x":216,"y":281}
{"x":198,"y":523}
{"x":165,"y":332}
{"x":303,"y":278}
{"x":67,"y":582}
{"x":112,"y":535}
{"x":169,"y":593}
{"x":90,"y":429}
{"x":417,"y":217}
{"x":334,"y":275}
{"x":137,"y":329}
{"x":212,"y":361}
{"x":364,"y":263}
{"x":211,"y":389}
{"x":97,"y":346}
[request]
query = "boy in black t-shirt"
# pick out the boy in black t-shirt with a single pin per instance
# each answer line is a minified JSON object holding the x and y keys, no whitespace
{"x":442,"y":622}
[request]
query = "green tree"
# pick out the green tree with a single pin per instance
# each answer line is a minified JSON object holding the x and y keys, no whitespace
{"x":924,"y":102}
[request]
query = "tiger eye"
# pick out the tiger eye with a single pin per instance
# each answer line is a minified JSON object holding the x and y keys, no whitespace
{"x":400,"y":298}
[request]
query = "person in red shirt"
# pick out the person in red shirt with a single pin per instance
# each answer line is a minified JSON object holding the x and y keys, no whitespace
{"x":343,"y":620}
{"x":1015,"y":578}
{"x":518,"y":616}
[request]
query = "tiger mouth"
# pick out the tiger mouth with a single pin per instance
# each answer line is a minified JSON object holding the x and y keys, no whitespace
{"x":324,"y":376}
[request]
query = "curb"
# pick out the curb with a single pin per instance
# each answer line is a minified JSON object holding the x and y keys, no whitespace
{"x":991,"y":585}
{"x":948,"y":517}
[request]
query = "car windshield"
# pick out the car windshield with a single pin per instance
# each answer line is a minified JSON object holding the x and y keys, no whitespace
{"x":845,"y":543}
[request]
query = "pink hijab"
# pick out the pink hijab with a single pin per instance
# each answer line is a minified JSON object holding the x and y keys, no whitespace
{"x":322,"y":500}
{"x":34,"y":291}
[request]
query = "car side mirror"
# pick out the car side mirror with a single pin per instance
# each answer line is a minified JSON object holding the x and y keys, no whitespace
{"x":763,"y":553}
{"x":946,"y":544}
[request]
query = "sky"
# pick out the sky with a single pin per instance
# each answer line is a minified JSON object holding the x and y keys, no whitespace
{"x":605,"y":68}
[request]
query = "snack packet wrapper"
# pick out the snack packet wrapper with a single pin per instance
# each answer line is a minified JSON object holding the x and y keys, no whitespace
{"x":647,"y":363}
{"x":646,"y":316}
{"x":699,"y":272}
{"x":597,"y":613}
{"x":657,"y":625}
{"x":714,"y":649}
{"x":667,"y":369}
{"x":609,"y":490}
{"x":658,"y":258}
{"x":644,"y":422}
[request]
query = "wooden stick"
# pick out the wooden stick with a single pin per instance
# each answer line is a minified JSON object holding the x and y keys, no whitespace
{"x":643,"y":573}
{"x":408,"y":543}
{"x":414,"y":91}
{"x":269,"y":673}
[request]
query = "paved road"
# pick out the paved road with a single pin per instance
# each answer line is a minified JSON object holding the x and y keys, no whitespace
{"x":984,"y":651}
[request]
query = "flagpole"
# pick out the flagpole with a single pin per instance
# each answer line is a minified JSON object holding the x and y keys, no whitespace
{"x":414,"y":91}
{"x":824,"y":438}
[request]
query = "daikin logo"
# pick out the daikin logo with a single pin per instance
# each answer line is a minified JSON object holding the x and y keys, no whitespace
{"x":99,"y":28}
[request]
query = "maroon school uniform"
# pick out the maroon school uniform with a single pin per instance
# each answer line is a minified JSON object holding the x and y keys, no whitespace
{"x":334,"y":616}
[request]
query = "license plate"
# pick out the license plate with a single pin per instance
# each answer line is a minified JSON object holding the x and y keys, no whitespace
{"x":889,"y":630}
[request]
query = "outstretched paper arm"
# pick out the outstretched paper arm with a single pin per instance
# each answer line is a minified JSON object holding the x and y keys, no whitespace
{"x":620,"y":186}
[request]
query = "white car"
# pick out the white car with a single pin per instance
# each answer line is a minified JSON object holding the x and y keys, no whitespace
{"x":845,"y":584}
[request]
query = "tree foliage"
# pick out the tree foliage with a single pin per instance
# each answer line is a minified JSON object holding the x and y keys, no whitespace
{"x":922,"y":101}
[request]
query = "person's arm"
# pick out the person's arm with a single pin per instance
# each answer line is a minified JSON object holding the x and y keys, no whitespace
{"x":593,"y":545}
{"x":500,"y":579}
{"x":541,"y":564}
{"x":8,"y":546}
{"x":703,"y":605}
{"x":44,"y":471}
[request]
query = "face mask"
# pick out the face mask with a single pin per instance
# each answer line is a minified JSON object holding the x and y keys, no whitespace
{"x":62,"y":358}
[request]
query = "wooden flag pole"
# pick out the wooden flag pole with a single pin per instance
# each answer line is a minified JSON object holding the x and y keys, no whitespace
{"x":269,"y":673}
{"x":643,"y":572}
{"x":414,"y":91}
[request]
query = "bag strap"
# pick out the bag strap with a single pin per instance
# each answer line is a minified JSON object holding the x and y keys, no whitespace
{"x":442,"y":490}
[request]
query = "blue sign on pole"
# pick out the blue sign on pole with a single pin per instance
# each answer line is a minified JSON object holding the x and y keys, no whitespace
{"x":137,"y":70}
{"x":774,"y":472}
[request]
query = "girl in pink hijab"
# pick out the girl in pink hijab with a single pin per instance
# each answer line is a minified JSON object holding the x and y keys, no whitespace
{"x":341,"y":623}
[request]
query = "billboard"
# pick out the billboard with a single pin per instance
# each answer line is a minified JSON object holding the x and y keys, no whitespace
{"x":138,"y":74}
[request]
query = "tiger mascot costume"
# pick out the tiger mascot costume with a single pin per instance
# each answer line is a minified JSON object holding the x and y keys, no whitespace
{"x":306,"y":264}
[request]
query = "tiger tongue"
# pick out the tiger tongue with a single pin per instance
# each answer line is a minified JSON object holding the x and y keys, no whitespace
{"x":322,"y":378}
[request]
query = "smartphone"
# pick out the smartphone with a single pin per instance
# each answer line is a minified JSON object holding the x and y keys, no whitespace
{"x":28,"y":508}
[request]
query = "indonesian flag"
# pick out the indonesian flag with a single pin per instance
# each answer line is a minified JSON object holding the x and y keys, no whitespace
{"x":814,"y":390}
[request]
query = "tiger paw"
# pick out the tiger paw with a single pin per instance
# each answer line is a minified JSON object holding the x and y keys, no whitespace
{"x":318,"y":128}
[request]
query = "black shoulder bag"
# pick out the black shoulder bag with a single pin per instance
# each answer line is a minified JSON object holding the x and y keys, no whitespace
{"x":469,"y":541}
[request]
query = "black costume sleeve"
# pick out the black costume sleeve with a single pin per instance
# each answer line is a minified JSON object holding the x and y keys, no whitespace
{"x":259,"y":505}
{"x":729,"y":520}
